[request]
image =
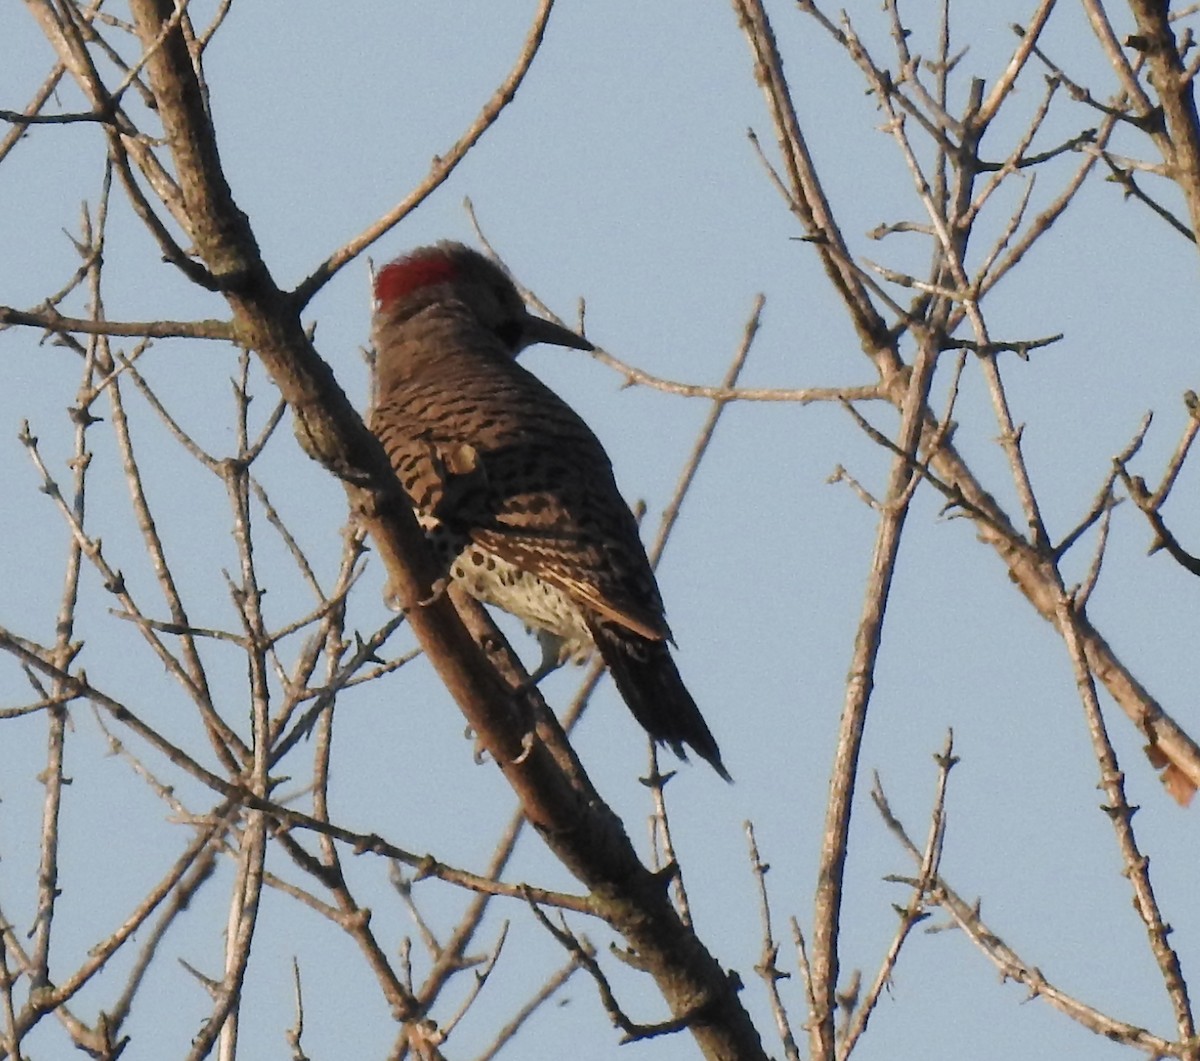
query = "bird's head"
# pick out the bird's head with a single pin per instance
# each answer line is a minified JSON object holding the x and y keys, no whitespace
{"x":453,"y":273}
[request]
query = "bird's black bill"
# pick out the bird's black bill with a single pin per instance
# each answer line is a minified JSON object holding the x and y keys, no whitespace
{"x":537,"y":330}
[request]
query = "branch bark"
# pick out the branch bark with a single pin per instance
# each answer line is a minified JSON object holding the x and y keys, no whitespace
{"x":1181,"y":144}
{"x":575,"y":823}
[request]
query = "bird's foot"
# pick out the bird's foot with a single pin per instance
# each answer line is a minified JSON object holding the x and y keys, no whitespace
{"x":527,"y":742}
{"x":556,"y":652}
{"x":395,"y":602}
{"x":392,"y":600}
{"x":478,"y":752}
{"x":436,"y":592}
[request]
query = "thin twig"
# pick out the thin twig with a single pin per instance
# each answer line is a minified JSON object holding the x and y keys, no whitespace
{"x":441,"y":168}
{"x":966,"y":916}
{"x":768,"y":966}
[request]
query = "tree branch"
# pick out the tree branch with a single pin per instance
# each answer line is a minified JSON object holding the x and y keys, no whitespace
{"x":582,"y":832}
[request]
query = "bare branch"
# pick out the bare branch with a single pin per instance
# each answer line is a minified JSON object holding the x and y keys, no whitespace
{"x":441,"y":168}
{"x":1012,"y":966}
{"x":768,"y":967}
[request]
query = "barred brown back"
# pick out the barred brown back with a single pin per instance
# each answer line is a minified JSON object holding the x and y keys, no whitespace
{"x":512,"y":488}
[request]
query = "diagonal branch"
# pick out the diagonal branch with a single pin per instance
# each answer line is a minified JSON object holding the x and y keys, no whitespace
{"x":579,"y":828}
{"x":1180,"y":142}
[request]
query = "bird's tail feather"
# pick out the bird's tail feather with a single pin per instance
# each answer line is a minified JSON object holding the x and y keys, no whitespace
{"x":649,"y":682}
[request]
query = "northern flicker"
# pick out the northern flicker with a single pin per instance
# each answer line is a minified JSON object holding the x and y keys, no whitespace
{"x":513,"y":490}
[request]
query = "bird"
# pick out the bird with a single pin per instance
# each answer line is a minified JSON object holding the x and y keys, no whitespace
{"x":513,"y":491}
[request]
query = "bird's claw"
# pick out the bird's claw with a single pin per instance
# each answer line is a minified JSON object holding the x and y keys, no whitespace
{"x":395,"y":602}
{"x":526,"y":748}
{"x":436,"y":592}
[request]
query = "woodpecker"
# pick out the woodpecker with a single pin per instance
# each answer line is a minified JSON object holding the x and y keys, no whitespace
{"x":514,"y":492}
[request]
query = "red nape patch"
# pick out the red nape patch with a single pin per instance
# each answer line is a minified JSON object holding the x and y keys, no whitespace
{"x":402,"y":277}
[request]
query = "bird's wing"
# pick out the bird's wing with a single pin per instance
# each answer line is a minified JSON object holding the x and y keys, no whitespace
{"x":510,"y":464}
{"x":580,"y":568}
{"x":554,"y":511}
